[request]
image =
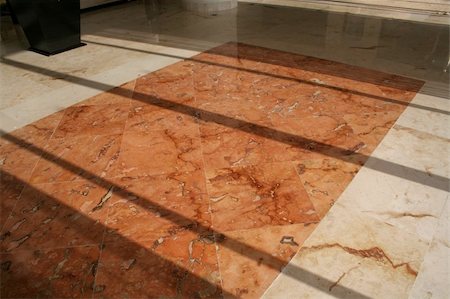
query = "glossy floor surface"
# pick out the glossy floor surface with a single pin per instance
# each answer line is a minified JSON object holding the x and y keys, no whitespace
{"x":206,"y":177}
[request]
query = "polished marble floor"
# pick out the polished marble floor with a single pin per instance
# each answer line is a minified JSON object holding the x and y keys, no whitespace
{"x":242,"y":169}
{"x":227,"y":160}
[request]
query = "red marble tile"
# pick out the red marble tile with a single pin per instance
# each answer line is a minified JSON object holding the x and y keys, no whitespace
{"x":159,"y":225}
{"x":284,"y":64}
{"x":231,"y":93}
{"x":161,"y":98}
{"x":316,"y":136}
{"x":371,"y":127}
{"x":16,"y":148}
{"x":184,"y":266}
{"x":257,"y":196}
{"x":147,"y":153}
{"x":251,"y":259}
{"x":93,"y":120}
{"x":51,"y":273}
{"x":57,"y":215}
{"x":236,"y":144}
{"x":158,"y":207}
{"x":68,"y":159}
{"x":10,"y":189}
{"x":324,"y":180}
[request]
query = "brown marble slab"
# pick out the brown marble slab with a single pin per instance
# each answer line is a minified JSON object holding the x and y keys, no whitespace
{"x":214,"y":171}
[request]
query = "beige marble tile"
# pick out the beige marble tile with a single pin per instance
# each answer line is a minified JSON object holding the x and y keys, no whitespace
{"x":429,"y":113}
{"x":407,"y":205}
{"x":434,"y":275}
{"x":351,"y":255}
{"x":413,"y":149}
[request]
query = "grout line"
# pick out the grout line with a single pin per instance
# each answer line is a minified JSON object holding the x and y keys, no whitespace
{"x":206,"y":185}
{"x":292,"y":163}
{"x":101,"y":247}
{"x":52,"y":248}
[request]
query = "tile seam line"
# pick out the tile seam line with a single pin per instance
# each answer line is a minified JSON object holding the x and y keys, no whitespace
{"x":307,"y":193}
{"x":50,"y":248}
{"x":216,"y":249}
{"x":109,"y":207}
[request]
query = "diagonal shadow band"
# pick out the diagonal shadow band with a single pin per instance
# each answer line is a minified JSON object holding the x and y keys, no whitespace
{"x":318,"y":84}
{"x":388,"y":167}
{"x":248,"y":251}
{"x":177,"y":271}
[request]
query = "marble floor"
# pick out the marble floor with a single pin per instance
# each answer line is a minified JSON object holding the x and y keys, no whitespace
{"x":173,"y":162}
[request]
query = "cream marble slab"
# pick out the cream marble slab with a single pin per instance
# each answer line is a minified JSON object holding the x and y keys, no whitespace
{"x":434,"y":276}
{"x":410,"y":206}
{"x":415,"y":149}
{"x":434,"y":121}
{"x":351,"y":250}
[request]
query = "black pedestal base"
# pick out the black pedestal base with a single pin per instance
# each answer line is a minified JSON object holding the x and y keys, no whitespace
{"x":39,"y":51}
